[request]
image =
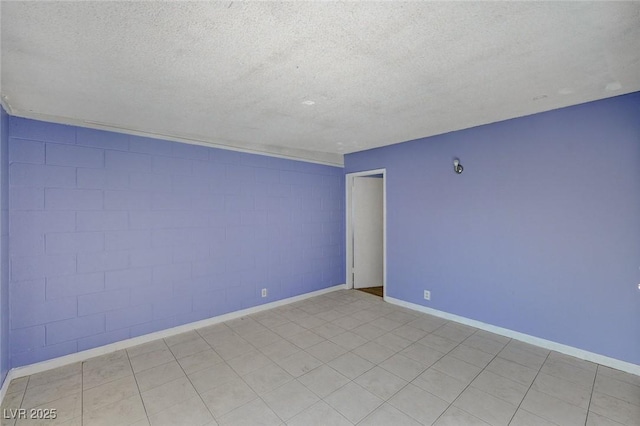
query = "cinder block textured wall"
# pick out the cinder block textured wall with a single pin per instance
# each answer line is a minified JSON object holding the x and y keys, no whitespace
{"x":114,"y":236}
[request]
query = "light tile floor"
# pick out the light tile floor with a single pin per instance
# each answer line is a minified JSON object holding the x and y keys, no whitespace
{"x":338,"y":359}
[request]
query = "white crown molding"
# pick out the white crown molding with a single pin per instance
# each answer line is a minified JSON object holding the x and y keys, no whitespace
{"x":317,"y":157}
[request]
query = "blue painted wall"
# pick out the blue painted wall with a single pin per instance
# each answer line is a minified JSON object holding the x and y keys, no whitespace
{"x":540,"y":234}
{"x":115,"y":236}
{"x":4,"y":245}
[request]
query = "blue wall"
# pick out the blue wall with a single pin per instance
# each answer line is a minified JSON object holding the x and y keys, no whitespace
{"x":540,"y":234}
{"x":4,"y":245}
{"x":115,"y":236}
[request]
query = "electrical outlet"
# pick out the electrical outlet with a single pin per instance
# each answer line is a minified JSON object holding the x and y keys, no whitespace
{"x":427,"y":295}
{"x":264,"y":292}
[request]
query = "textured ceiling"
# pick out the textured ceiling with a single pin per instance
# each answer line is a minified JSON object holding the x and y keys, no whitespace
{"x":242,"y":74}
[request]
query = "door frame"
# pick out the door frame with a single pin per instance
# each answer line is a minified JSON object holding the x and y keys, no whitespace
{"x":349,"y":226}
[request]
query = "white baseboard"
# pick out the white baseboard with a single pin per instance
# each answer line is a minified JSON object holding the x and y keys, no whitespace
{"x":27,"y":370}
{"x":547,"y":344}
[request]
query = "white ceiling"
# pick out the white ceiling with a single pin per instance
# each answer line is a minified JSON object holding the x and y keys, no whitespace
{"x":239,"y":74}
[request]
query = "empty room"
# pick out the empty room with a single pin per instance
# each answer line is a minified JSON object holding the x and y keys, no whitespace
{"x":320,"y":213}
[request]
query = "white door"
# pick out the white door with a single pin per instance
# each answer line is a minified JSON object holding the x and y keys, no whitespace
{"x":367,"y":232}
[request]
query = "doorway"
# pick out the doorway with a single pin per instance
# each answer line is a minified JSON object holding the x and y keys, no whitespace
{"x":366,"y":231}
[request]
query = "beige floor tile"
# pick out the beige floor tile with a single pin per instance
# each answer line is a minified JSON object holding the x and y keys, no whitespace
{"x":182,"y":338}
{"x":109,"y":393}
{"x":576,"y":362}
{"x":262,"y":339}
{"x":255,"y":412}
{"x":348,"y":340}
{"x":618,"y":389}
{"x":386,"y":324}
{"x":319,"y":414}
{"x":280,"y":350}
{"x":350,"y":365}
{"x":619,"y":375}
{"x":231,"y":347}
{"x":565,"y":390}
{"x":381,"y":383}
{"x":59,"y":412}
{"x":454,"y":332}
{"x":151,"y":359}
{"x":471,"y":355}
{"x":428,"y":323}
{"x":290,"y":399}
{"x":54,"y":375}
{"x":104,"y":371}
{"x":374,"y":352}
{"x":125,"y":412}
{"x":615,"y":409}
{"x":200,"y":361}
{"x":388,"y":415}
{"x":38,"y":395}
{"x":525,"y":418}
{"x":553,"y":409}
{"x":328,"y":330}
{"x":191,"y":412}
{"x":190,"y":347}
{"x":511,"y":370}
{"x":440,"y":384}
{"x":353,"y":402}
{"x":323,"y":380}
{"x":484,"y":344}
{"x":248,"y":362}
{"x":105,"y":360}
{"x":523,"y":357}
{"x":594,"y":419}
{"x":403,"y":367}
{"x":288,"y":329}
{"x":423,"y":354}
{"x":209,"y":378}
{"x":568,"y":371}
{"x":500,"y":387}
{"x":156,"y":376}
{"x":18,"y":385}
{"x":420,"y":405}
{"x":393,"y":342}
{"x":438,"y":343}
{"x":310,"y":322}
{"x":326,"y":351}
{"x":144,"y":348}
{"x":486,"y":407}
{"x":348,"y":322}
{"x":412,"y":334}
{"x":368,"y":331}
{"x":457,"y":368}
{"x":226,"y":398}
{"x":454,"y":416}
{"x":299,"y":363}
{"x":168,"y":395}
{"x":267,"y":378}
{"x":305,"y":339}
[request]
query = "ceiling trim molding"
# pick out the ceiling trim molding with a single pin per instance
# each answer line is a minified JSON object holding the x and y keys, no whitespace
{"x":317,"y":157}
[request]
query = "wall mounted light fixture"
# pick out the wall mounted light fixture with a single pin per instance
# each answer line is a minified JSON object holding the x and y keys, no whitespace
{"x":457,"y":167}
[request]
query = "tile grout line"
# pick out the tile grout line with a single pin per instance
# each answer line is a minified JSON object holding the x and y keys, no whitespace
{"x":137,"y":386}
{"x":471,"y":381}
{"x":530,"y":386}
{"x":593,"y":387}
{"x":187,"y":376}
